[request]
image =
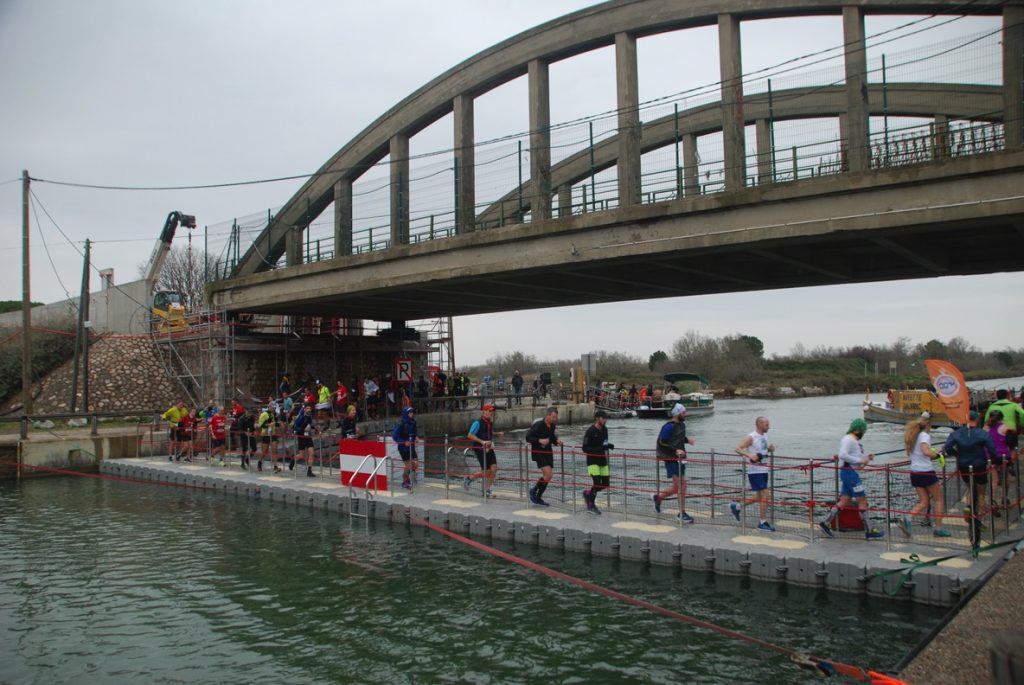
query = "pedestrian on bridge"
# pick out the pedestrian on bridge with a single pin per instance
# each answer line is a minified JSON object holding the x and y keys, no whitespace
{"x":517,"y":386}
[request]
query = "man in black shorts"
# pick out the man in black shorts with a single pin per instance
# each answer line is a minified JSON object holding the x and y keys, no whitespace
{"x":482,"y":435}
{"x":542,"y":439}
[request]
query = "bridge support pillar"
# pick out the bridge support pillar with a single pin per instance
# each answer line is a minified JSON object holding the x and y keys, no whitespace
{"x":293,"y":245}
{"x":940,"y":137}
{"x":465,"y":164}
{"x":765,"y":168}
{"x":628,"y":102}
{"x":856,"y":138}
{"x":565,"y":200}
{"x":399,"y":190}
{"x":691,"y":183}
{"x":343,"y":218}
{"x":730,"y":61}
{"x":1013,"y":75}
{"x":540,"y":140}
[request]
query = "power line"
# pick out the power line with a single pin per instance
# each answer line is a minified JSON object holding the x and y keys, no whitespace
{"x":56,"y":273}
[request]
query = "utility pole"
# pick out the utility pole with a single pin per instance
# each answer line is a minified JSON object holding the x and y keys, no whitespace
{"x":86,"y":326}
{"x":80,"y":330}
{"x":26,"y":303}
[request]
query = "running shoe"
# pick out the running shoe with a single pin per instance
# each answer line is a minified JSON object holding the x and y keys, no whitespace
{"x":407,"y":485}
{"x":466,"y":482}
{"x":764,"y":525}
{"x":259,"y":465}
{"x":592,"y":509}
{"x":826,"y":530}
{"x":541,"y":502}
{"x":684,"y":517}
{"x":310,"y":474}
{"x":904,"y":524}
{"x":967,"y":514}
{"x":941,"y":533}
{"x":657,"y":504}
{"x":489,"y":495}
{"x":735,"y":509}
{"x":533,"y":496}
{"x":170,"y":458}
{"x":873,"y":534}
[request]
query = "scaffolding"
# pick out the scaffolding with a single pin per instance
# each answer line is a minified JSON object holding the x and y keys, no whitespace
{"x":201,"y":357}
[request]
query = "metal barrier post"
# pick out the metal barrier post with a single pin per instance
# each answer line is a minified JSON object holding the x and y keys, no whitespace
{"x":712,"y":484}
{"x":835,"y":476}
{"x":522,"y":476}
{"x":972,"y":506}
{"x":24,"y":428}
{"x":447,"y":483}
{"x":1016,"y":470}
{"x":888,"y":509}
{"x":95,"y":427}
{"x":810,"y":502}
{"x":625,"y":489}
{"x":743,"y":494}
{"x":771,"y":486}
{"x":991,"y":503}
{"x":574,"y":485}
{"x":561,"y":465}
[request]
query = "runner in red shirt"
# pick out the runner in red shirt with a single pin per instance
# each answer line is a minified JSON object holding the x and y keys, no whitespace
{"x":218,"y":427}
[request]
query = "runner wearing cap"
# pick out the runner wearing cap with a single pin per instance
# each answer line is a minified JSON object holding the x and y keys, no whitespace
{"x":671,"y":451}
{"x":596,"y":446}
{"x":851,"y":453}
{"x":482,"y":435}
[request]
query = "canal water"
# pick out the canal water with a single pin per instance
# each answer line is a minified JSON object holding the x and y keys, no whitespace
{"x":108,"y":581}
{"x":103,"y":581}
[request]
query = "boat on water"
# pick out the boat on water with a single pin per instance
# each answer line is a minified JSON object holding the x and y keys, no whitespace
{"x":697,"y":403}
{"x":903,"y":406}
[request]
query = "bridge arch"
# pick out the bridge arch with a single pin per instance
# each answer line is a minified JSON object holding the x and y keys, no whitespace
{"x":617,"y":23}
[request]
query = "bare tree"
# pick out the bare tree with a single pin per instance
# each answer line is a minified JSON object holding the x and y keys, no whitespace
{"x":185,"y":271}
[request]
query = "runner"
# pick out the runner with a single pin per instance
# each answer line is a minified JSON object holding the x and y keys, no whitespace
{"x":173,"y":417}
{"x":851,"y":454}
{"x":596,"y":447}
{"x":918,"y":442}
{"x":482,"y":434}
{"x":404,"y":436}
{"x":671,"y":451}
{"x":756,"y":449}
{"x":542,"y":439}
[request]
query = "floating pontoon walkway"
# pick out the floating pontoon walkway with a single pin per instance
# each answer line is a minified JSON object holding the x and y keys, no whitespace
{"x":847,"y":564}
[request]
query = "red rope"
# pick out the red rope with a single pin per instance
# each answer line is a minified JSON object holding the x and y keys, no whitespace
{"x":820,"y":665}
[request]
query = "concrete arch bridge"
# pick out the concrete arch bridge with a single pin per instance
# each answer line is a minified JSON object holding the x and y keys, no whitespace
{"x":854,"y":204}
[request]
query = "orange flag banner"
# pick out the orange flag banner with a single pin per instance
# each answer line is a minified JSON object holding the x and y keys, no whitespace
{"x":951,"y":388}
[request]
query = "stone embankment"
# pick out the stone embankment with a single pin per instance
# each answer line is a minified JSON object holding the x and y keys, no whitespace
{"x":125,"y":373}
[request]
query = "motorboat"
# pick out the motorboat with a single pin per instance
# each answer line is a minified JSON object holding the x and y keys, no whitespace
{"x":698,"y":402}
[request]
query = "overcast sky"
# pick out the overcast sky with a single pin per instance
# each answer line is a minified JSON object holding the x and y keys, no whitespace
{"x":147,"y":93}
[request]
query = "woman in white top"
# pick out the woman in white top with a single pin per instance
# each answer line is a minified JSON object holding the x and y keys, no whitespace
{"x":917,"y":440}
